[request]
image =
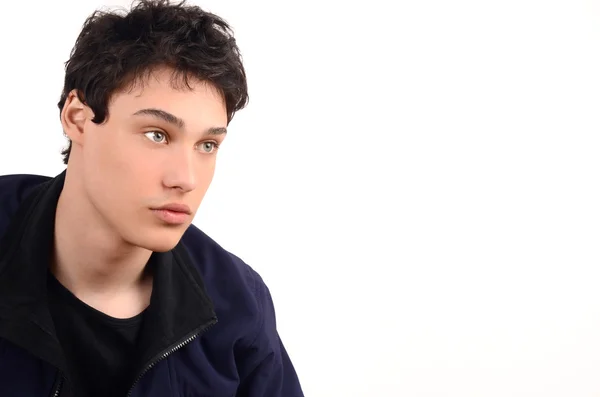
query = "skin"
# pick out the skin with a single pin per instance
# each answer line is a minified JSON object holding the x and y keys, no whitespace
{"x":118,"y":172}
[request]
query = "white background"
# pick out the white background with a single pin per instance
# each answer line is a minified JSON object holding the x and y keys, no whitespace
{"x":416,"y":181}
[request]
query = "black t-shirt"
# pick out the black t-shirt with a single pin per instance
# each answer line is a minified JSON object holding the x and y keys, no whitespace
{"x":100,"y":350}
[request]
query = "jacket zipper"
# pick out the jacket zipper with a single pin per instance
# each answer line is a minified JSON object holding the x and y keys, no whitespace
{"x":167,"y":353}
{"x":59,"y":384}
{"x":162,"y":356}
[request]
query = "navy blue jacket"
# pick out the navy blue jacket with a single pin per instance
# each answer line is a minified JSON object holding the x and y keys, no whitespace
{"x":213,"y":328}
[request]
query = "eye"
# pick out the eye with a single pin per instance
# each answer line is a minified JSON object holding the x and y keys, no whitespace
{"x":156,"y":136}
{"x":209,"y":147}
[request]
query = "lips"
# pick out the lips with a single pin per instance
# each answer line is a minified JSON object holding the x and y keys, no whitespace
{"x":173,"y":214}
{"x":175,"y":208}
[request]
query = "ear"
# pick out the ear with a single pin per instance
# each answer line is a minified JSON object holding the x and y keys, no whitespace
{"x":73,"y":117}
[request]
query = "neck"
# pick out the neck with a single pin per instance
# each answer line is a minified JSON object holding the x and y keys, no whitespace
{"x":93,"y":261}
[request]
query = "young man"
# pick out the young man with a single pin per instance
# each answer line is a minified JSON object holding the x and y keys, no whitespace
{"x":106,"y":289}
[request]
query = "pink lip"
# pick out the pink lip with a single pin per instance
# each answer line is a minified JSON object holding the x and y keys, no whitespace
{"x":174,"y":214}
{"x":176,"y":208}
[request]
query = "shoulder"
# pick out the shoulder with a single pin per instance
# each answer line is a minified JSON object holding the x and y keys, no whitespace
{"x":215,"y":262}
{"x":236,"y":289}
{"x":13,"y":190}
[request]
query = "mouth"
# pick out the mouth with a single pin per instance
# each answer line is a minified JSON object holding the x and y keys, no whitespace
{"x":173,"y":214}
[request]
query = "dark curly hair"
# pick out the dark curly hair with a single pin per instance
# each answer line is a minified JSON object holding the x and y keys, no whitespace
{"x":117,"y":49}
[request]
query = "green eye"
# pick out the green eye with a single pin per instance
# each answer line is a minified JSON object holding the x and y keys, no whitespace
{"x":209,"y":147}
{"x":156,"y":136}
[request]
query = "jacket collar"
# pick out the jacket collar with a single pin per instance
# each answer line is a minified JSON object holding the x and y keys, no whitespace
{"x":179,"y":305}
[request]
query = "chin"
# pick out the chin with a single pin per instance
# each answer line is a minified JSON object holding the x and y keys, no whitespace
{"x":159,"y":241}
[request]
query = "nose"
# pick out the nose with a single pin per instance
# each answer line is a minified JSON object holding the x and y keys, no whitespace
{"x":180,"y":172}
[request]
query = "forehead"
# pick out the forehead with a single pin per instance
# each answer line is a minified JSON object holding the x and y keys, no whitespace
{"x":193,"y":100}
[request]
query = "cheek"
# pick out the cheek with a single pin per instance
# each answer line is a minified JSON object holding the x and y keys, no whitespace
{"x":115,"y":170}
{"x":116,"y":155}
{"x":207,"y":172}
{"x":101,"y":148}
{"x":204,"y":177}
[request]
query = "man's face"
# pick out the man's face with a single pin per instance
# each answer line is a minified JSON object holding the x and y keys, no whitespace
{"x":157,"y":148}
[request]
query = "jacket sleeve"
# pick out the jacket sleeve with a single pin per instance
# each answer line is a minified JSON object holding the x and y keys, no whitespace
{"x":266,"y":369}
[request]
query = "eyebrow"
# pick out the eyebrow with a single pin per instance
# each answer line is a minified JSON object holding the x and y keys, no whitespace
{"x":176,"y":121}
